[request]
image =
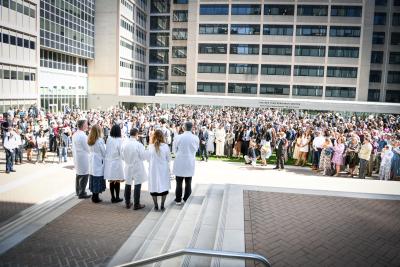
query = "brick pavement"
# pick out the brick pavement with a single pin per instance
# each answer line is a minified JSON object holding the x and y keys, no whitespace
{"x":9,"y":209}
{"x":309,"y":230}
{"x":86,"y":235}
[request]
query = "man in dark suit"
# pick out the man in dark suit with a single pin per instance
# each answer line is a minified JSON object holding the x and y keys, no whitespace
{"x":281,"y":146}
{"x":203,"y":137}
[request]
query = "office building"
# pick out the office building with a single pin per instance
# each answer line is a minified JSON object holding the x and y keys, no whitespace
{"x":121,"y":49}
{"x":19,"y":28}
{"x":66,"y":46}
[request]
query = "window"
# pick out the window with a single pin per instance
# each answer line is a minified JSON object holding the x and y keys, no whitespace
{"x":380,"y":2}
{"x":395,"y":40}
{"x":342,"y":72}
{"x":5,"y":38}
{"x":180,"y":16}
{"x":377,"y":57}
{"x":211,"y":68}
{"x":341,"y":51}
{"x":311,"y":51}
{"x":315,"y":71}
{"x":346,"y":11}
{"x":182,"y":2}
{"x":158,"y":56}
{"x":379,"y":18}
{"x":375,"y":76}
{"x":278,"y":30}
{"x":274,"y":89}
{"x":373,"y":95}
{"x":6,"y":74}
{"x":212,"y":48}
{"x":396,"y":19}
{"x":304,"y":30}
{"x":213,"y":29}
{"x":159,"y":39}
{"x":210,"y":87}
{"x":276,"y":70}
{"x":158,"y":72}
{"x":378,"y":38}
{"x":244,"y":49}
{"x":20,"y":41}
{"x":394,"y":58}
{"x":159,"y":23}
{"x":343,"y":92}
{"x":250,"y":69}
{"x":159,"y":6}
{"x":344,"y":31}
{"x":246,"y":10}
{"x":32,"y":44}
{"x":178,"y":70}
{"x":13,"y":75}
{"x":179,"y":51}
{"x":179,"y":34}
{"x":26,"y":43}
{"x":393,"y":77}
{"x":307,"y":90}
{"x":281,"y":10}
{"x":245,"y":29}
{"x":178,"y":88}
{"x":13,"y":40}
{"x":242,"y":88}
{"x":277,"y":50}
{"x":312,"y":10}
{"x":396,"y":2}
{"x":214,"y":9}
{"x":392,"y":96}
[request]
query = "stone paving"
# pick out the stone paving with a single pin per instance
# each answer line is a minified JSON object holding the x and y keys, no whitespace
{"x":310,"y":230}
{"x":86,"y":235}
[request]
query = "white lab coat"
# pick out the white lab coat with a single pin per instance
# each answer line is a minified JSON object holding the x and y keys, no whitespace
{"x":133,"y":155}
{"x":185,"y":147}
{"x":10,"y":141}
{"x":97,"y":153}
{"x":159,"y":173}
{"x":113,"y":165}
{"x":220,"y":141}
{"x":80,"y":152}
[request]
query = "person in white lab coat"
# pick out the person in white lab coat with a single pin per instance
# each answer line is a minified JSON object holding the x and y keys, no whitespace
{"x":97,"y":153}
{"x":133,"y":155}
{"x":80,"y":152}
{"x":113,"y":165}
{"x":220,"y":135}
{"x":159,"y":158}
{"x":185,"y":147}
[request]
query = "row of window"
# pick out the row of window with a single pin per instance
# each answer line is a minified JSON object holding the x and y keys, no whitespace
{"x":380,"y":18}
{"x":379,"y":38}
{"x":375,"y":76}
{"x":25,"y":8}
{"x":286,"y":30}
{"x":14,"y":38}
{"x":140,"y":52}
{"x":284,"y":50}
{"x":377,"y":57}
{"x":60,"y":61}
{"x":286,"y":70}
{"x":160,"y":56}
{"x":391,"y":95}
{"x":283,"y":10}
{"x":8,"y":72}
{"x":385,"y":2}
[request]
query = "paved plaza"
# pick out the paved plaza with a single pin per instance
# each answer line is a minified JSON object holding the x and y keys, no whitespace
{"x":343,"y":222}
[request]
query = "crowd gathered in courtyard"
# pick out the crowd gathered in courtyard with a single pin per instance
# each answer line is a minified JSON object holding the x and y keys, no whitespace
{"x":332,"y":144}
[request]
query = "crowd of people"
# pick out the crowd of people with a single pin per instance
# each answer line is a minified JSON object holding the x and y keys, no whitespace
{"x":332,"y":143}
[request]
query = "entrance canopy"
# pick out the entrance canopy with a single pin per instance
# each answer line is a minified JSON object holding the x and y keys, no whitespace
{"x":264,"y":102}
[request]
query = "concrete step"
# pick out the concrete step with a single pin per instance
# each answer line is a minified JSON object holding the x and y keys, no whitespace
{"x":27,"y":222}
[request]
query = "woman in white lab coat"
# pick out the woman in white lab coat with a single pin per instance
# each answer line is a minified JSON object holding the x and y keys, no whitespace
{"x":97,"y":153}
{"x":113,"y":165}
{"x":159,"y":158}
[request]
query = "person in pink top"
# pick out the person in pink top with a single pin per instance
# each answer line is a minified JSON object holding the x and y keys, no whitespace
{"x":337,"y":158}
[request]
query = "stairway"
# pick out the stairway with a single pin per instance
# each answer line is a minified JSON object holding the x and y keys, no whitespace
{"x":212,"y":218}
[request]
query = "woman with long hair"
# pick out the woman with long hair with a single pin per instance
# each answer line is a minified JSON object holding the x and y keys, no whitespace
{"x":113,"y":166}
{"x":159,"y":158}
{"x":97,"y":153}
{"x":338,"y":151}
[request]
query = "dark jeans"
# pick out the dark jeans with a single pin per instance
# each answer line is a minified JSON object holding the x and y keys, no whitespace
{"x":188,"y":188}
{"x":136,"y":193}
{"x":80,"y":184}
{"x":9,"y":160}
{"x":316,"y":157}
{"x":280,"y":160}
{"x":203,"y":151}
{"x":363,"y":168}
{"x":52,"y":143}
{"x":18,"y":154}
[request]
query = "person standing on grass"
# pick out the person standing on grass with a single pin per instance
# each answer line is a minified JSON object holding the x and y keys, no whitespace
{"x":281,"y":145}
{"x":80,"y":152}
{"x":220,"y":140}
{"x":203,"y":137}
{"x":185,"y":147}
{"x":364,"y":155}
{"x":133,"y":154}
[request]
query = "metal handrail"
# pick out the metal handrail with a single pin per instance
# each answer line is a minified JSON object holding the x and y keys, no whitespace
{"x":199,"y":252}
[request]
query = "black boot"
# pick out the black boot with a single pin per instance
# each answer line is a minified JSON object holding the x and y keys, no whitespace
{"x":162,"y":202}
{"x":127,"y":195}
{"x":155,"y":202}
{"x":117,"y":189}
{"x":112,"y":187}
